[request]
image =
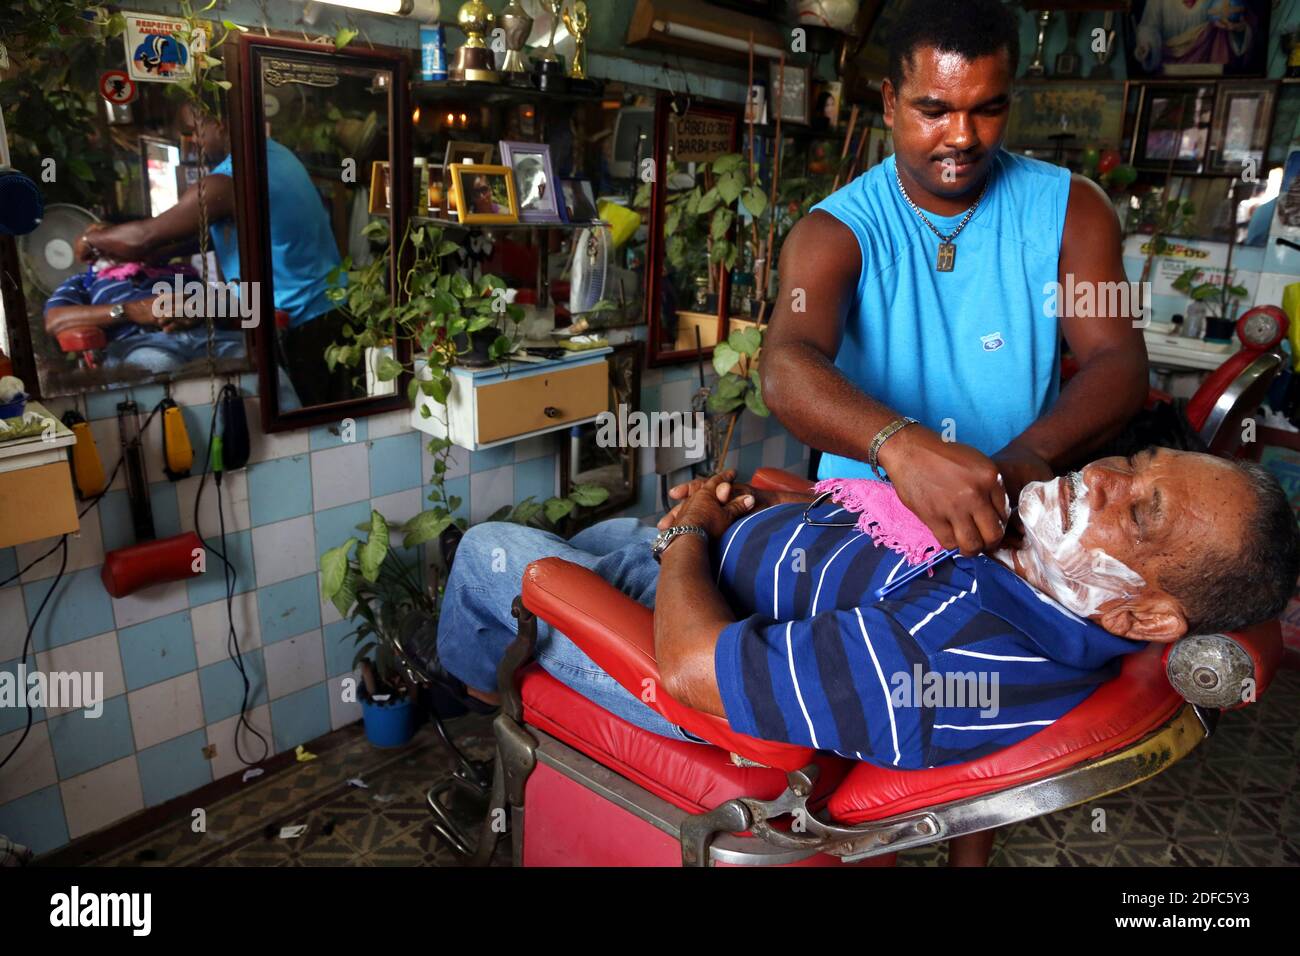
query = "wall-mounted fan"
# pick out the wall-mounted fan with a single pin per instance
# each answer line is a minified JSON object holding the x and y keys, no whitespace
{"x":47,"y":252}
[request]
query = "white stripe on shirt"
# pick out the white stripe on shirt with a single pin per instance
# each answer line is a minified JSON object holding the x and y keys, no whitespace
{"x":880,"y":675}
{"x":935,"y":613}
{"x":994,"y":657}
{"x":1027,"y":723}
{"x":817,"y":593}
{"x":789,"y":656}
{"x":735,"y":529}
{"x":776,"y":573}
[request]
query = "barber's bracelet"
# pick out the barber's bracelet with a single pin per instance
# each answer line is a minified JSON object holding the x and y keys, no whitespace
{"x":882,"y":436}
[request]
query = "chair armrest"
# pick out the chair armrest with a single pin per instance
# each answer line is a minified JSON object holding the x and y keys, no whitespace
{"x":774,"y":479}
{"x":618,"y":634}
{"x":1225,"y":670}
{"x":82,"y":338}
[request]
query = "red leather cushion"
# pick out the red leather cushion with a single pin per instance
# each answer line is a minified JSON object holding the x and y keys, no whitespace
{"x":82,"y":339}
{"x":1118,"y":713}
{"x":694,"y":777}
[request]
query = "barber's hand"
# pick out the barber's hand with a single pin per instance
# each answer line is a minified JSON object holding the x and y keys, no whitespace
{"x":1019,"y":466}
{"x":763,"y":497}
{"x":712,"y":506}
{"x":84,"y":248}
{"x":953,"y":488}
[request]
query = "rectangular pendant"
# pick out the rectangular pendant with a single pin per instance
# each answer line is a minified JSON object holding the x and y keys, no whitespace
{"x":947,"y":257}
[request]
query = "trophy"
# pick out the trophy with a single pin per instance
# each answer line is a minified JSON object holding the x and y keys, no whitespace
{"x":1068,"y":61}
{"x":517,"y":25}
{"x":553,"y":8}
{"x":1102,"y":71}
{"x":578,"y":23}
{"x":474,"y":59}
{"x":1038,"y":67}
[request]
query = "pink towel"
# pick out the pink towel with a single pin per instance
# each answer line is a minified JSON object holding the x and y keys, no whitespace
{"x":129,"y":270}
{"x":883,"y":516}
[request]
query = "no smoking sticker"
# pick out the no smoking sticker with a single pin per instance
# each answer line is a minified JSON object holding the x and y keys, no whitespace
{"x":116,"y":87}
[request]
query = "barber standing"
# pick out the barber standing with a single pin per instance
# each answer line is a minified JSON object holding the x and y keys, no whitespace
{"x":925,"y":287}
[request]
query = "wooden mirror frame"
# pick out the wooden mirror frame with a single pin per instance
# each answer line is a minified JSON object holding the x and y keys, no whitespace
{"x":248,"y":145}
{"x":656,"y":354}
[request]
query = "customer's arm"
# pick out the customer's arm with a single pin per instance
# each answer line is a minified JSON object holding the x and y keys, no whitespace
{"x":59,"y":318}
{"x":690,"y":611}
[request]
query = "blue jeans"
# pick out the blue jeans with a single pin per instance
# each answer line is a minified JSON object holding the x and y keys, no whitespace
{"x":475,"y":625}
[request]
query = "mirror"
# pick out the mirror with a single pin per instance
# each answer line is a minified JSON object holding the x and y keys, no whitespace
{"x":687,"y":295}
{"x":318,"y":130}
{"x":82,"y":302}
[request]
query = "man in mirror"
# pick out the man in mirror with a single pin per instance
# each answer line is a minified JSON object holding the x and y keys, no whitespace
{"x":302,"y":245}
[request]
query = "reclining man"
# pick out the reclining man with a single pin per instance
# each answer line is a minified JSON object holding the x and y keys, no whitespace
{"x":771,"y":622}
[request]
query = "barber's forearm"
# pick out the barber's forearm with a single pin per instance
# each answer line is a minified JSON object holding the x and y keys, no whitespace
{"x":1096,"y":404}
{"x":818,"y":405}
{"x":690,"y":614}
{"x":128,"y":242}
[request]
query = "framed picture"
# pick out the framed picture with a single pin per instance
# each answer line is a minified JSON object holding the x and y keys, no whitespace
{"x":534,"y":180}
{"x":1173,"y":129}
{"x":793,"y":88}
{"x":380,"y":189}
{"x":1198,"y":38}
{"x":484,"y":194}
{"x":579,"y":200}
{"x":1243,"y":116}
{"x":1092,"y":112}
{"x":468,"y":154}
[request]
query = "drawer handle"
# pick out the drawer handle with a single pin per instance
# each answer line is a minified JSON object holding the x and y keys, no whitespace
{"x":550,"y":411}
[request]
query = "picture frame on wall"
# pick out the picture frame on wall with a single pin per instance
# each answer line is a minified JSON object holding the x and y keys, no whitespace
{"x":1091,"y":111}
{"x":535,"y":182}
{"x":579,"y":201}
{"x":794,"y":88}
{"x":484,"y":194}
{"x":379,"y":188}
{"x":467,"y":154}
{"x":1243,"y":118}
{"x":1177,"y":38}
{"x":1173,"y":128}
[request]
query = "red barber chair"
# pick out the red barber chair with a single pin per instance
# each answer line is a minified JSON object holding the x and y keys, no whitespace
{"x":85,"y":340}
{"x":586,"y":788}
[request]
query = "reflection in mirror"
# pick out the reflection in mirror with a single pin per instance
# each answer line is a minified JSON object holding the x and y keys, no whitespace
{"x":323,"y":119}
{"x":112,"y":277}
{"x":1220,"y":209}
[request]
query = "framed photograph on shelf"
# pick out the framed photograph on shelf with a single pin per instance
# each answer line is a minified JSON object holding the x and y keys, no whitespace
{"x":1243,"y":116}
{"x":579,"y":201}
{"x":467,"y":154}
{"x":1189,"y":38}
{"x":484,"y":194}
{"x":1173,"y":128}
{"x":379,"y":188}
{"x":793,"y":88}
{"x":535,"y":180}
{"x":1083,"y":113}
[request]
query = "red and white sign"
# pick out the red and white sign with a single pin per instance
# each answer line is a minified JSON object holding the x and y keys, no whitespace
{"x":116,"y":87}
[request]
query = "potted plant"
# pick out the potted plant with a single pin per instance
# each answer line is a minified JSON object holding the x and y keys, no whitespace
{"x":1213,"y":305}
{"x":394,"y":613}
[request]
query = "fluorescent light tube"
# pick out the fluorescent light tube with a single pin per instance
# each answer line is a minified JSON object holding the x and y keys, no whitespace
{"x":696,"y":35}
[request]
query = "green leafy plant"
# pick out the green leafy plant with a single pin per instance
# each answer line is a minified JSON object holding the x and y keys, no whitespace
{"x":1187,"y":284}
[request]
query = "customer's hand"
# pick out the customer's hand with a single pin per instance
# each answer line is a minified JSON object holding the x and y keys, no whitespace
{"x":713,"y":507}
{"x":763,"y":497}
{"x":144,"y":312}
{"x":953,"y":488}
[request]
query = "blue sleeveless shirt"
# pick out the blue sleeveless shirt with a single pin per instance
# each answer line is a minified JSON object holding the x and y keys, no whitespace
{"x":974,"y":353}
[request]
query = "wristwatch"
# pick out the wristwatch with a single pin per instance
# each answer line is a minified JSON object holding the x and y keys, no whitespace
{"x":667,"y":536}
{"x":117,"y":312}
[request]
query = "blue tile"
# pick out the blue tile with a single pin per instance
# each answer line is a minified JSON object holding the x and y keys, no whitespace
{"x":223,"y":689}
{"x":329,"y":436}
{"x":459,"y":488}
{"x":79,"y":607}
{"x":36,"y":820}
{"x":115,"y":520}
{"x":166,"y":511}
{"x":647,"y":499}
{"x":772,"y":427}
{"x":340,"y":648}
{"x":650,"y":398}
{"x":82,"y":743}
{"x":751,"y":459}
{"x":490,"y":458}
{"x":279,"y":489}
{"x":794,"y":451}
{"x":14,"y":716}
{"x":394,"y":464}
{"x":157,"y":650}
{"x":676,"y":373}
{"x":288,"y":608}
{"x":248,"y":384}
{"x":173,"y":768}
{"x":8,"y":563}
{"x":210,"y":585}
{"x":536,"y":478}
{"x":298,"y":718}
{"x":104,"y":404}
{"x":336,"y":525}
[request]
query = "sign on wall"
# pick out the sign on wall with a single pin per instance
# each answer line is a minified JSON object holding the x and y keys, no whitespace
{"x":697,"y":138}
{"x":156,"y":51}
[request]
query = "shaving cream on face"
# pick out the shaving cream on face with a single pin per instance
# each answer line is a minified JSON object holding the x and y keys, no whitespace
{"x":1054,"y":558}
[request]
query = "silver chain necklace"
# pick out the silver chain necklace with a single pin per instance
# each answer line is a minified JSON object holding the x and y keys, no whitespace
{"x":947,"y":260}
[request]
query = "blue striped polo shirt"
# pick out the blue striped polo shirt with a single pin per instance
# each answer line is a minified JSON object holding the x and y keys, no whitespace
{"x":85,"y":288}
{"x":946,"y":669}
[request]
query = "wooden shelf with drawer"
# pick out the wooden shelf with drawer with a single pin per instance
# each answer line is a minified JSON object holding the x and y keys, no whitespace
{"x":36,"y":496}
{"x":499,"y":405}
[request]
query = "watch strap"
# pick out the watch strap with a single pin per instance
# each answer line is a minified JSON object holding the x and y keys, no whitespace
{"x":668,"y":536}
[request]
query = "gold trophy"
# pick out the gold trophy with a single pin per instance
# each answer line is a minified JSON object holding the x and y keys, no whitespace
{"x":474,"y":59}
{"x":578,"y":23}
